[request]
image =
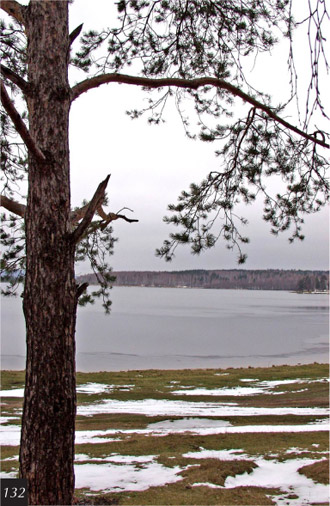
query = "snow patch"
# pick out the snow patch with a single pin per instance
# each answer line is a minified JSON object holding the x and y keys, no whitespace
{"x":187,"y":424}
{"x":154,"y":407}
{"x":116,"y":478}
{"x":285,"y":476}
{"x":235,"y":391}
{"x":6,"y":419}
{"x":10,"y":434}
{"x":119,"y":459}
{"x":263,"y":387}
{"x":209,"y":485}
{"x":271,"y":474}
{"x":94,"y":388}
{"x":218,"y":454}
{"x":14,"y":392}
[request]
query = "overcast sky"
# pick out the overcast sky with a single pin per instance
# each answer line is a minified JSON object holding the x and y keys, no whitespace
{"x":150,"y":165}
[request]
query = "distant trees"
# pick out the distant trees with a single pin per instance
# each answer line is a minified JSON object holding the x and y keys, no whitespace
{"x":271,"y":279}
{"x":310,"y":283}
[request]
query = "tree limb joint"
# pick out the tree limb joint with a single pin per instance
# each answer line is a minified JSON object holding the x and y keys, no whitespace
{"x":97,"y":199}
{"x":14,"y":9}
{"x":20,"y":125}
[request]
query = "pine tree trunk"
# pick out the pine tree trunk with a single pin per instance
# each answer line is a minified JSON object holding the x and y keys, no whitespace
{"x":47,"y":440}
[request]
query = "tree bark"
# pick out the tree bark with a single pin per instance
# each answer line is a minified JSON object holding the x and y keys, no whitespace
{"x":50,"y":301}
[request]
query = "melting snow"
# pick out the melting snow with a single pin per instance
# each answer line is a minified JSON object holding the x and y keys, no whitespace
{"x":263,"y":387}
{"x":235,"y":391}
{"x":10,"y":435}
{"x":94,"y":388}
{"x":271,"y":474}
{"x":15,"y":392}
{"x":218,"y":454}
{"x":153,"y":407}
{"x":116,"y":478}
{"x":88,"y":388}
{"x":119,"y":459}
{"x":6,"y":419}
{"x":285,"y":476}
{"x":209,"y":485}
{"x":187,"y":424}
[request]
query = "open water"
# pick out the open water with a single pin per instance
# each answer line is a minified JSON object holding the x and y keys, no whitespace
{"x":173,"y":328}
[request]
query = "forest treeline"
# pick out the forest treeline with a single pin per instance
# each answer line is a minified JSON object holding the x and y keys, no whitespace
{"x":270,"y":279}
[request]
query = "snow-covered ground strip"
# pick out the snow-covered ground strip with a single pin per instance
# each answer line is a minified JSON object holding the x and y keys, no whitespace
{"x":94,"y":388}
{"x":117,"y":478}
{"x":154,"y":407}
{"x":14,"y":392}
{"x":88,"y":388}
{"x":218,"y":454}
{"x":6,"y":419}
{"x":263,"y":387}
{"x":235,"y":391}
{"x":10,"y":434}
{"x":271,"y":474}
{"x":119,"y":459}
{"x":187,"y":424}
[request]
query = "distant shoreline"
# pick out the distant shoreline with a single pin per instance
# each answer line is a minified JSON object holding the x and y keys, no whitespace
{"x":224,"y":279}
{"x":195,"y":369}
{"x":325,"y":292}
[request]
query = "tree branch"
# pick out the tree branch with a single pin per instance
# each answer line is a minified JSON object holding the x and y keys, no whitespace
{"x":147,"y":82}
{"x":79,"y":214}
{"x":90,"y":211}
{"x":12,"y":206}
{"x":14,"y":9}
{"x":80,"y":289}
{"x":75,"y":33}
{"x":20,"y":125}
{"x":114,"y":216}
{"x":15,"y":78}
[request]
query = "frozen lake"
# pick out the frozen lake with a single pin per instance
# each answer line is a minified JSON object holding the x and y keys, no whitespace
{"x":172,"y":328}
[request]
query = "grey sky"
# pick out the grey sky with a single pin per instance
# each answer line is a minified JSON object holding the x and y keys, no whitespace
{"x":150,"y":165}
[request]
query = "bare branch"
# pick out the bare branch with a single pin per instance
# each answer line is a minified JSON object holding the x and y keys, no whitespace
{"x":75,"y":33}
{"x":12,"y":206}
{"x":147,"y":82}
{"x":97,"y":199}
{"x":80,"y":289}
{"x":20,"y":125}
{"x":15,"y":78}
{"x":79,"y":214}
{"x":14,"y":9}
{"x":114,"y":216}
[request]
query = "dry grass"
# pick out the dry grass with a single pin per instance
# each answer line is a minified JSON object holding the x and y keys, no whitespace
{"x":169,"y":449}
{"x":318,"y":472}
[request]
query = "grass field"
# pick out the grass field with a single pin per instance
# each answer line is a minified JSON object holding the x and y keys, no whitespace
{"x":254,"y":436}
